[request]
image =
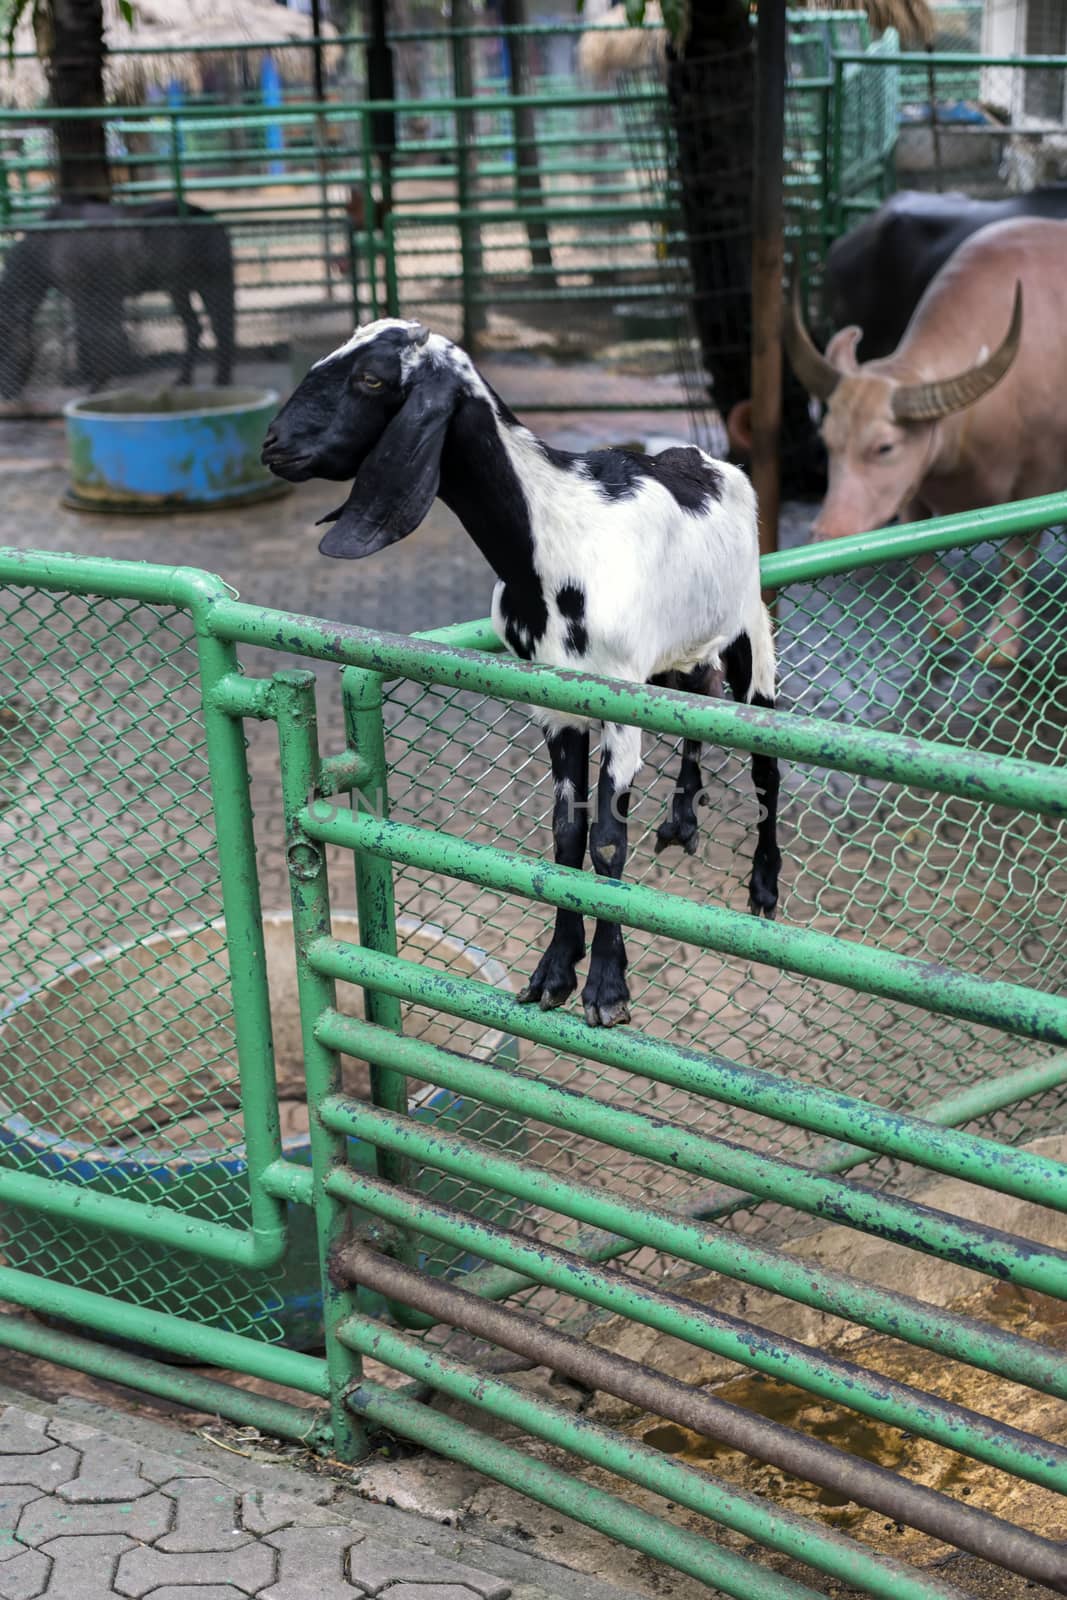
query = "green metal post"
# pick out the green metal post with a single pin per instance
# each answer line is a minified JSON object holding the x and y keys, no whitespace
{"x":232,"y":806}
{"x":309,"y":889}
{"x":176,"y":157}
{"x":466,"y":177}
{"x":370,"y":231}
{"x":392,"y":278}
{"x":837,"y":141}
{"x":365,"y":734}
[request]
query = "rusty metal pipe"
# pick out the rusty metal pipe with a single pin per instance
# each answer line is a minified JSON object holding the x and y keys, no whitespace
{"x":931,"y":1512}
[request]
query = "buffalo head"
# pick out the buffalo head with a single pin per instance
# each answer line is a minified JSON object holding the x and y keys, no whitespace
{"x":880,"y":430}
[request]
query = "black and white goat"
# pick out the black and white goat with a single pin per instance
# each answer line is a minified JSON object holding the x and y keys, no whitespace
{"x":633,"y":566}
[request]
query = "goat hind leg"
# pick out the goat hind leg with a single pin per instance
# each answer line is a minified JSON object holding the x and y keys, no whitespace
{"x":680,"y":825}
{"x":554,"y":979}
{"x":606,"y":996}
{"x":753,"y":684}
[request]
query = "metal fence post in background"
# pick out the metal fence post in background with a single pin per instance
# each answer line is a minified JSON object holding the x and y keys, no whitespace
{"x":466,"y":176}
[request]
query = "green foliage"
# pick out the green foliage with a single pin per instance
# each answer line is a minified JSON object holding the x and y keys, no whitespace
{"x":13,"y":11}
{"x":11,"y":14}
{"x":675,"y":15}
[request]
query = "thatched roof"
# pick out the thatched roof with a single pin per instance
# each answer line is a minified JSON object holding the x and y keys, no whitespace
{"x":176,"y":25}
{"x":611,"y":46}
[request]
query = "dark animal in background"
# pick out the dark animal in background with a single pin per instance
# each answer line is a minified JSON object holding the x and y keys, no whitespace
{"x":639,"y":567}
{"x":117,"y":252}
{"x":877,"y":274}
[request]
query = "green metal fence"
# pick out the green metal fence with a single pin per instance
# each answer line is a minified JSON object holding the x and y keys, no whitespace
{"x":492,"y":216}
{"x":468,"y":1165}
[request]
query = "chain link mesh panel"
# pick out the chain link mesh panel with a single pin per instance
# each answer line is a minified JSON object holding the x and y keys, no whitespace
{"x":117,"y":1057}
{"x":919,"y":874}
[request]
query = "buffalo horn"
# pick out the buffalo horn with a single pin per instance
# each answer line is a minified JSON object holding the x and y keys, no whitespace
{"x":818,"y":375}
{"x":928,"y":402}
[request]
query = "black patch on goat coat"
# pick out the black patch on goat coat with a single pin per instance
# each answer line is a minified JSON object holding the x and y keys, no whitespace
{"x":618,"y":474}
{"x":570,"y":603}
{"x":488,"y":499}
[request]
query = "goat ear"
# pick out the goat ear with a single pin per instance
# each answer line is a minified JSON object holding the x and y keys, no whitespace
{"x":396,"y":485}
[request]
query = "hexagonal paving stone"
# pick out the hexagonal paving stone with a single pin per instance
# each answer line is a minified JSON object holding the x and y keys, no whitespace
{"x":426,"y":1591}
{"x":52,"y":1518}
{"x":109,"y":1472}
{"x":84,"y":1565}
{"x":249,"y":1569}
{"x":213,"y":1591}
{"x":48,"y":1470}
{"x":24,"y":1576}
{"x":311,"y":1564}
{"x":205,"y":1517}
{"x":13,"y":1498}
{"x":375,"y":1566}
{"x":23,"y":1433}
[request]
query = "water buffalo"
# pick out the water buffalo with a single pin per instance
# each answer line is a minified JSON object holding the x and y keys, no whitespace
{"x":114,"y":253}
{"x":968,"y":411}
{"x":877,"y":274}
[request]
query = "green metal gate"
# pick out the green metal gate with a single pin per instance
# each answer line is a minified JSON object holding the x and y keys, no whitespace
{"x":904,"y":1018}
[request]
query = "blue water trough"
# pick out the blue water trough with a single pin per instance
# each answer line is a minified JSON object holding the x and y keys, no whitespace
{"x":175,"y":449}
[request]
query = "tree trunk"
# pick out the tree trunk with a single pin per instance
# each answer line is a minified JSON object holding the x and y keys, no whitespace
{"x":527,"y":164}
{"x":75,"y":68}
{"x":711,"y":86}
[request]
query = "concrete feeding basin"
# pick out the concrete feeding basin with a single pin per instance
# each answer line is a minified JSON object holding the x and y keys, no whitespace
{"x":119,"y":1075}
{"x":174,"y":449}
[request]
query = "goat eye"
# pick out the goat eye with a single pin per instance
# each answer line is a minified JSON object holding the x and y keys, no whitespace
{"x":371,"y":381}
{"x":884,"y":449}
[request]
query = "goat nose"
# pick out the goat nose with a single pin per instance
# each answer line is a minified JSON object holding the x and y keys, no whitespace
{"x":270,"y":439}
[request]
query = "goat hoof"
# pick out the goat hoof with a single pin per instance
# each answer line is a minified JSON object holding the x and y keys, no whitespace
{"x":605,"y":998}
{"x":607,"y":1016}
{"x":763,"y":884}
{"x":677,"y":830}
{"x":554,"y":980}
{"x":547,"y":999}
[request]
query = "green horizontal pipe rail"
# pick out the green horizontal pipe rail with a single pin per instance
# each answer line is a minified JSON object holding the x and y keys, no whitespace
{"x":192,"y":1340}
{"x":176,"y":1230}
{"x":786,"y":1532}
{"x":901,"y":1316}
{"x":280,"y":1418}
{"x":947,"y":58}
{"x":1022,"y":1173}
{"x":944,"y":768}
{"x":295,"y":113}
{"x":809,"y":562}
{"x":885,"y":1216}
{"x":626,"y":1524}
{"x":834,"y":1379}
{"x":931,"y":985}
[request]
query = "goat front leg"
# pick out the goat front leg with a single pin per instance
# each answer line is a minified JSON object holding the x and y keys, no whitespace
{"x":1004,"y":643}
{"x":680,"y":825}
{"x":750,"y":674}
{"x":555,"y":979}
{"x":606,"y":997}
